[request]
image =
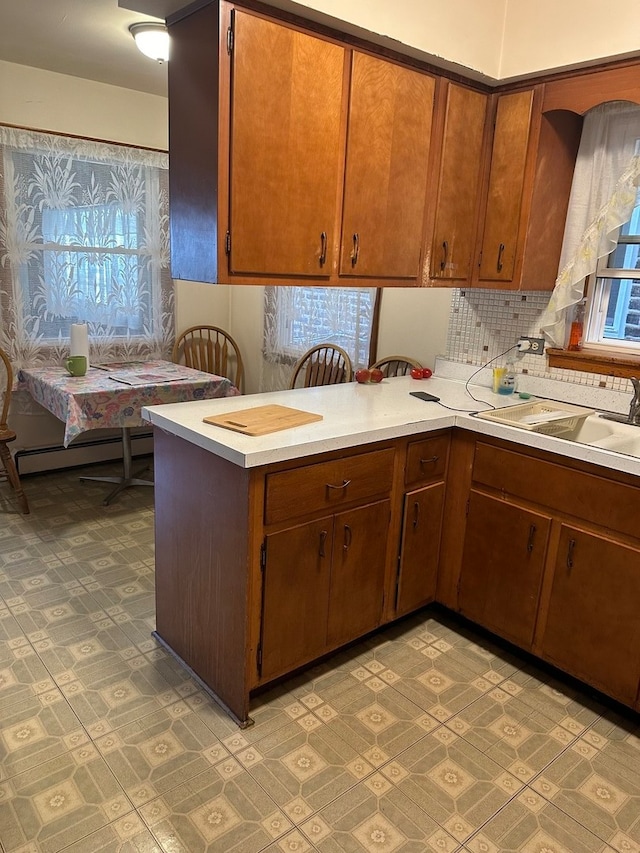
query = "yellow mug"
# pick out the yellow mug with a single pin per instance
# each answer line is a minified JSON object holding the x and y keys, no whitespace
{"x":76,"y":365}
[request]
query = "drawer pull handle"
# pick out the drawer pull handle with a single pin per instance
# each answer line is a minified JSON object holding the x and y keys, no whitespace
{"x":355,"y":252}
{"x":344,"y":485}
{"x":532,"y":534}
{"x":445,"y":252}
{"x":572,"y":545}
{"x":323,"y":539}
{"x":431,"y":461}
{"x":416,"y":514}
{"x":500,"y":251}
{"x":347,"y":538}
{"x":323,"y":248}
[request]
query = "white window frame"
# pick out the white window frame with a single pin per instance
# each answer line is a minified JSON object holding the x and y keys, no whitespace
{"x":600,"y":290}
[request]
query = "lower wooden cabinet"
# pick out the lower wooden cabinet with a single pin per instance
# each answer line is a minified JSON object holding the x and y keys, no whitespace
{"x":592,"y":624}
{"x":261,"y":571}
{"x":551,"y":562}
{"x":295,"y":597}
{"x":323,"y":585}
{"x":419,"y":548}
{"x":502,"y":567}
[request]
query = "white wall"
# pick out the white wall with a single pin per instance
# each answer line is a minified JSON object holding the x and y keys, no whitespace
{"x":464,"y":32}
{"x":550,"y":34}
{"x":499,"y":39}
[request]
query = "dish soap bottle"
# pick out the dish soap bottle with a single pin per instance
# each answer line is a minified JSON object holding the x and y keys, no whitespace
{"x":577,"y":327}
{"x":508,"y":380}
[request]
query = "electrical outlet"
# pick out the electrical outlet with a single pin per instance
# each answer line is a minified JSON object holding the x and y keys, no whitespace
{"x":536,"y":345}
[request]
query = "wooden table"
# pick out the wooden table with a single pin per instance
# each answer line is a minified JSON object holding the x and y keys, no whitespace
{"x":112,"y":396}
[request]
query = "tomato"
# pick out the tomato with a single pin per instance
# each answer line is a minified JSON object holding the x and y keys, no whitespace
{"x":426,"y":373}
{"x":416,"y":372}
{"x":363,"y":376}
{"x":376,"y":375}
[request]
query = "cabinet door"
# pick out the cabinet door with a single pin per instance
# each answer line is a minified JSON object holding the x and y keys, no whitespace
{"x":502,"y":565}
{"x":506,"y":185}
{"x":458,"y":191}
{"x":420,"y":547}
{"x":389,"y":133}
{"x":286,"y":151}
{"x":592,"y":627}
{"x":358,"y":572}
{"x":295,"y":596}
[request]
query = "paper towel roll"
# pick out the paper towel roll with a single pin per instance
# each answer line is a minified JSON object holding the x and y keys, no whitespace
{"x":79,"y":344}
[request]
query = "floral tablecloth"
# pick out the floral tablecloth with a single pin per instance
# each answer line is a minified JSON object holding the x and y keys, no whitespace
{"x":98,"y":401}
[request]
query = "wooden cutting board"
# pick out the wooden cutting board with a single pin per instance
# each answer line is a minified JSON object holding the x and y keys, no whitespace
{"x":263,"y":419}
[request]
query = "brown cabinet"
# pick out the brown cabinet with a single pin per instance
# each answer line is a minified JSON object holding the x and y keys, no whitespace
{"x":261,"y":571}
{"x":426,"y":468}
{"x":526,"y":192}
{"x":551,"y":562}
{"x":285,"y":149}
{"x":323,"y":585}
{"x":331,"y":568}
{"x":385,"y":186}
{"x":505,"y":547}
{"x":455,"y":187}
{"x":293,"y":156}
{"x":591,"y":627}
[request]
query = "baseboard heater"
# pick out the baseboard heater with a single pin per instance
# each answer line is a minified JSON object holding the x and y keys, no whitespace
{"x":56,"y":458}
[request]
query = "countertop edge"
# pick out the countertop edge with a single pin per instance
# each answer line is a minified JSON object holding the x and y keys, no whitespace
{"x":402,"y":421}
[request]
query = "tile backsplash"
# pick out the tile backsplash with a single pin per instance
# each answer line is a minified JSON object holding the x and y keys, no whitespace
{"x":485,"y":323}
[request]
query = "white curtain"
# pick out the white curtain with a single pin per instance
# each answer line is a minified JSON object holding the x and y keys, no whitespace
{"x":297,"y":318}
{"x":603,"y":195}
{"x":83,"y":239}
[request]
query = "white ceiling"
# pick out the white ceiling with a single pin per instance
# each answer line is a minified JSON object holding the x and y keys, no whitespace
{"x":84,"y":38}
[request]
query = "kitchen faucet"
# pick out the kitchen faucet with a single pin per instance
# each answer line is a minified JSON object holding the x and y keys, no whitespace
{"x":634,"y":409}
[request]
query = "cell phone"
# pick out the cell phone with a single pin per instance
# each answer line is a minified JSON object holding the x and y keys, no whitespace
{"x":422,"y":395}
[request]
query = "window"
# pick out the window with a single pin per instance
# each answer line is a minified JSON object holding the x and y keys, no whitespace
{"x":83,"y":239}
{"x":297,"y":318}
{"x":614,"y":316}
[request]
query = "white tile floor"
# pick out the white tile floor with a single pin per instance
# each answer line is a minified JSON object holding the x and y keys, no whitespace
{"x":426,"y":737}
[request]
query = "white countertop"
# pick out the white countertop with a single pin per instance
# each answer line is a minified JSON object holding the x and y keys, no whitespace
{"x":354,"y":415}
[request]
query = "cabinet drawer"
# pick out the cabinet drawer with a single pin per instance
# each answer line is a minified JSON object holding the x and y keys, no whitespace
{"x":587,"y":496}
{"x":328,"y":485}
{"x":426,"y":460}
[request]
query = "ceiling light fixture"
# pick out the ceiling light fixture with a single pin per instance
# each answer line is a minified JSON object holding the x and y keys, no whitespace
{"x":152,"y":40}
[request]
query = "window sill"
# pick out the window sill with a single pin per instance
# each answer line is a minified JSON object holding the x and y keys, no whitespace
{"x":591,"y":361}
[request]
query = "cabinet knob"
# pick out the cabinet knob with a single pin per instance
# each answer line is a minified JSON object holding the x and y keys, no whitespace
{"x":416,"y":514}
{"x":500,"y":251}
{"x":572,"y":545}
{"x":347,"y":538}
{"x":355,"y":250}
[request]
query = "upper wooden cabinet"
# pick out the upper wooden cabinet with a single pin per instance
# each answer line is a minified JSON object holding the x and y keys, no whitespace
{"x":455,"y":185}
{"x":293,"y":157}
{"x":523,"y":213}
{"x":297,"y":157}
{"x":285,"y":155}
{"x":389,"y":133}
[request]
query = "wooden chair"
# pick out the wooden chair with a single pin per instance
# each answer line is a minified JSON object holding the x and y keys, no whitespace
{"x":396,"y":365}
{"x":212,"y":350}
{"x":8,"y":470}
{"x":325,"y":364}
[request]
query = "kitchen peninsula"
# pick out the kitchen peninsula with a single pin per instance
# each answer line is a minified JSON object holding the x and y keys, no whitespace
{"x":274,"y":550}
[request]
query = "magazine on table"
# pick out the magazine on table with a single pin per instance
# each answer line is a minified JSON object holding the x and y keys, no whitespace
{"x":152,"y":376}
